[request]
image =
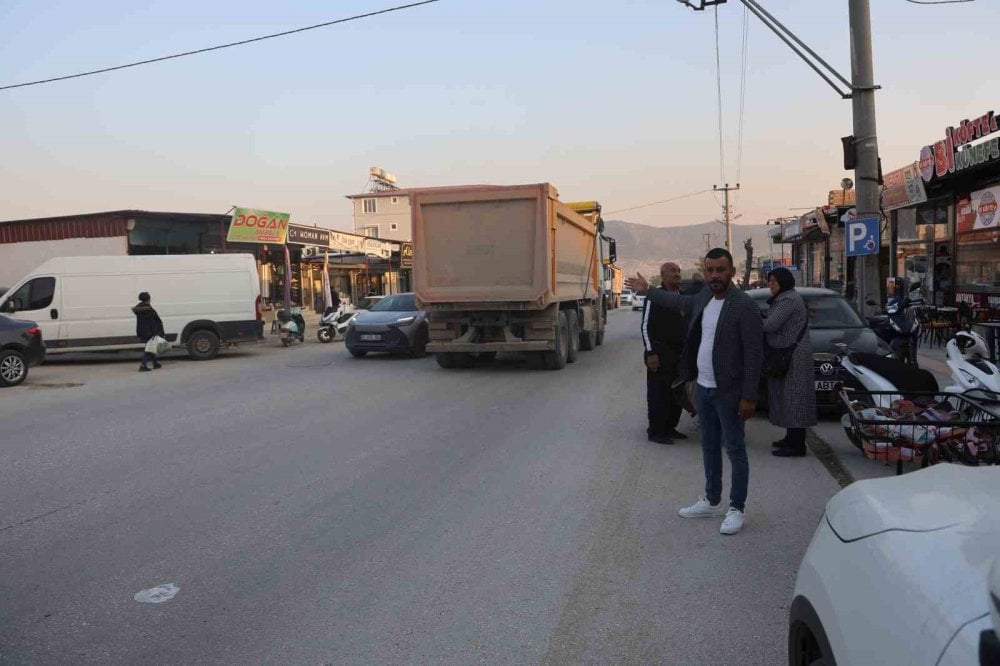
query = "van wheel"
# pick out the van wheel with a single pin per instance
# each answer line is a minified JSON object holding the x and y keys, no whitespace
{"x":573,"y":337}
{"x":13,"y":367}
{"x":203,"y":345}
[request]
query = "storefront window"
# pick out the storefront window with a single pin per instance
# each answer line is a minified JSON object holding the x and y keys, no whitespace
{"x":979,"y":264}
{"x":166,"y":237}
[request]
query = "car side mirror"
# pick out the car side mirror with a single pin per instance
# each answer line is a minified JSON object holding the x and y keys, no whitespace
{"x":612,"y":250}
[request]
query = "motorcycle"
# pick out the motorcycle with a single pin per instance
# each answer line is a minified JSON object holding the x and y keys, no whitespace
{"x":967,"y":358}
{"x":887,"y":379}
{"x":900,"y":327}
{"x":292,"y":326}
{"x":335,"y":322}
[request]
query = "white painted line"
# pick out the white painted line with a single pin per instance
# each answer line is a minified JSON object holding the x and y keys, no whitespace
{"x":158,"y":594}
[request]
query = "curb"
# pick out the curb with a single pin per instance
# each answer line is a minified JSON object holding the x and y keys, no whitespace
{"x":829,"y":459}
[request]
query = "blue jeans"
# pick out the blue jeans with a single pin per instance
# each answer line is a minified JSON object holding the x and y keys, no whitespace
{"x":720,"y":423}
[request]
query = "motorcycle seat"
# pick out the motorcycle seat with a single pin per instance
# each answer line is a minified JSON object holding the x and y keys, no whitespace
{"x":904,"y":377}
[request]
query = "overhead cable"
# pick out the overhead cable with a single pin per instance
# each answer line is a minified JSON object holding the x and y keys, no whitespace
{"x":220,"y":46}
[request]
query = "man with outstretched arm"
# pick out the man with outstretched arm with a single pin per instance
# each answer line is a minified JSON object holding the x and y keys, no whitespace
{"x":663,"y":331}
{"x":723,"y":350}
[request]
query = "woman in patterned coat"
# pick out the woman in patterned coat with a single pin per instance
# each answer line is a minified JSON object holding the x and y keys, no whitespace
{"x":792,"y":398}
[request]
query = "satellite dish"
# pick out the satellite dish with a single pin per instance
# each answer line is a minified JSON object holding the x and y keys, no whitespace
{"x":847,"y":184}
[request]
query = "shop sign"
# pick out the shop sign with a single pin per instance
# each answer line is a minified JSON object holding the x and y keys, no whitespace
{"x":982,"y":208}
{"x":956,"y":152}
{"x":308,"y":236}
{"x":813,"y":220}
{"x":347,"y":242}
{"x":378,"y":248}
{"x":903,"y":187}
{"x":791,"y":230}
{"x":250,"y":225}
{"x":406,"y":255}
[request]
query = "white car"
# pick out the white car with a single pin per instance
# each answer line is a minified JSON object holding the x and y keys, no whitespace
{"x":903,"y":570}
{"x":626,"y":298}
{"x":638,"y":301}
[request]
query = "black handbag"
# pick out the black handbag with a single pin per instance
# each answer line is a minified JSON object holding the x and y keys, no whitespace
{"x":777,"y":361}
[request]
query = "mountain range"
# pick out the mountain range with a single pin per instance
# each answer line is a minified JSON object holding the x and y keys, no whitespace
{"x":644,"y":248}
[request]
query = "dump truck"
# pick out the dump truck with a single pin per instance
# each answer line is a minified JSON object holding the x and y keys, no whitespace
{"x":509,"y":269}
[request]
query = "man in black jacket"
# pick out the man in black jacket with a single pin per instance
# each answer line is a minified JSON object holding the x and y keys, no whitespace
{"x":663,"y":332}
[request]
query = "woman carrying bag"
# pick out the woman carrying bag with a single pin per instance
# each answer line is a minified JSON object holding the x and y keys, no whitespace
{"x":788,"y":364}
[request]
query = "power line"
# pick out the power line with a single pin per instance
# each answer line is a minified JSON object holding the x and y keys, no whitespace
{"x":220,"y":46}
{"x":718,"y":84}
{"x":743,"y":90}
{"x":656,"y":203}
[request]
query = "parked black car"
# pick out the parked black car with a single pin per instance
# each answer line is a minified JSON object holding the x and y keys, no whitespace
{"x":21,"y":347}
{"x":393,"y":324}
{"x":832,"y":320}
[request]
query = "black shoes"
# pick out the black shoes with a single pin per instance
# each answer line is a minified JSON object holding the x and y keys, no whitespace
{"x":676,"y":434}
{"x":780,"y":444}
{"x":789,"y":452}
{"x":660,"y":439}
{"x":156,"y":366}
{"x":143,"y":368}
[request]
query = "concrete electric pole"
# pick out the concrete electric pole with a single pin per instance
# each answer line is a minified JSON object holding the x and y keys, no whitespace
{"x":866,"y":172}
{"x":727,"y":212}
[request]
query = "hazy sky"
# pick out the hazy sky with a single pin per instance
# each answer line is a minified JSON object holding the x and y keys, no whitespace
{"x":607,"y":99}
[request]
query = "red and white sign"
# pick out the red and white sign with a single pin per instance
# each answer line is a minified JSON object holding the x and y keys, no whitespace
{"x":956,"y":152}
{"x":984,"y":205}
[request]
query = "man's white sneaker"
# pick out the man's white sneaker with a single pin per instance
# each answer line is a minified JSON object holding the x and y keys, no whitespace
{"x":702,"y":509}
{"x":734,"y":522}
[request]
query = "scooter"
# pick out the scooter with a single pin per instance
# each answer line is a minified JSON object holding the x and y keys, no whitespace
{"x":334,"y":321}
{"x":967,"y":356}
{"x":900,"y":327}
{"x":292,"y":326}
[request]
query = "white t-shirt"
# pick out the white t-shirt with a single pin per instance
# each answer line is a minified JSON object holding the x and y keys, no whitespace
{"x":709,"y":322}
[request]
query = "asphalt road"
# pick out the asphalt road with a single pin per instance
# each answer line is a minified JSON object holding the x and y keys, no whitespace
{"x":315,"y":508}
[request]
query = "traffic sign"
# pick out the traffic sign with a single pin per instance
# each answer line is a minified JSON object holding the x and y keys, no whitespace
{"x":862,"y":236}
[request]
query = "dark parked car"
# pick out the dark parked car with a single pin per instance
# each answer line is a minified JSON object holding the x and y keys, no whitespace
{"x":393,"y":324}
{"x":832,"y":320}
{"x":21,"y":347}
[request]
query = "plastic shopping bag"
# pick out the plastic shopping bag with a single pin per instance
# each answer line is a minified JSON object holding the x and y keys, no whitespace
{"x":157,"y":345}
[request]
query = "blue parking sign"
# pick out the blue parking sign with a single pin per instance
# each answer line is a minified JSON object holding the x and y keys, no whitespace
{"x":862,"y":236}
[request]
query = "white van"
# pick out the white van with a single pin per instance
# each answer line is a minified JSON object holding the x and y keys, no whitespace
{"x":85,"y":303}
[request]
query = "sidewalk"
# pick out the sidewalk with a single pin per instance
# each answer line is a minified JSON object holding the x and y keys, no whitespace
{"x":829,"y":442}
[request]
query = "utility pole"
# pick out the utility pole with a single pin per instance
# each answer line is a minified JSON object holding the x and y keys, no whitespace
{"x":865,"y":142}
{"x":727,"y":212}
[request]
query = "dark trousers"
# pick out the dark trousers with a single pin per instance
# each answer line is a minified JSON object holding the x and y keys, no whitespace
{"x":661,"y":407}
{"x":795,"y":438}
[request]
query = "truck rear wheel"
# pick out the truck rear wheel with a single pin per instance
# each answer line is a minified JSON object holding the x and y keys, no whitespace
{"x":588,"y":339}
{"x":599,"y":338}
{"x":556,"y":360}
{"x":573,"y":328}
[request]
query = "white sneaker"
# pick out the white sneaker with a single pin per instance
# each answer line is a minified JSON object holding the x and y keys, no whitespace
{"x":734,"y":522}
{"x":702,"y":509}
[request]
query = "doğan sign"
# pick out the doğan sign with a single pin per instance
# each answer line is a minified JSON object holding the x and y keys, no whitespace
{"x":258,"y":226}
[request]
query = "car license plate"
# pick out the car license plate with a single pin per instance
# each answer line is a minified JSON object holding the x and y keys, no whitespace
{"x":825,"y":385}
{"x":371,"y":337}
